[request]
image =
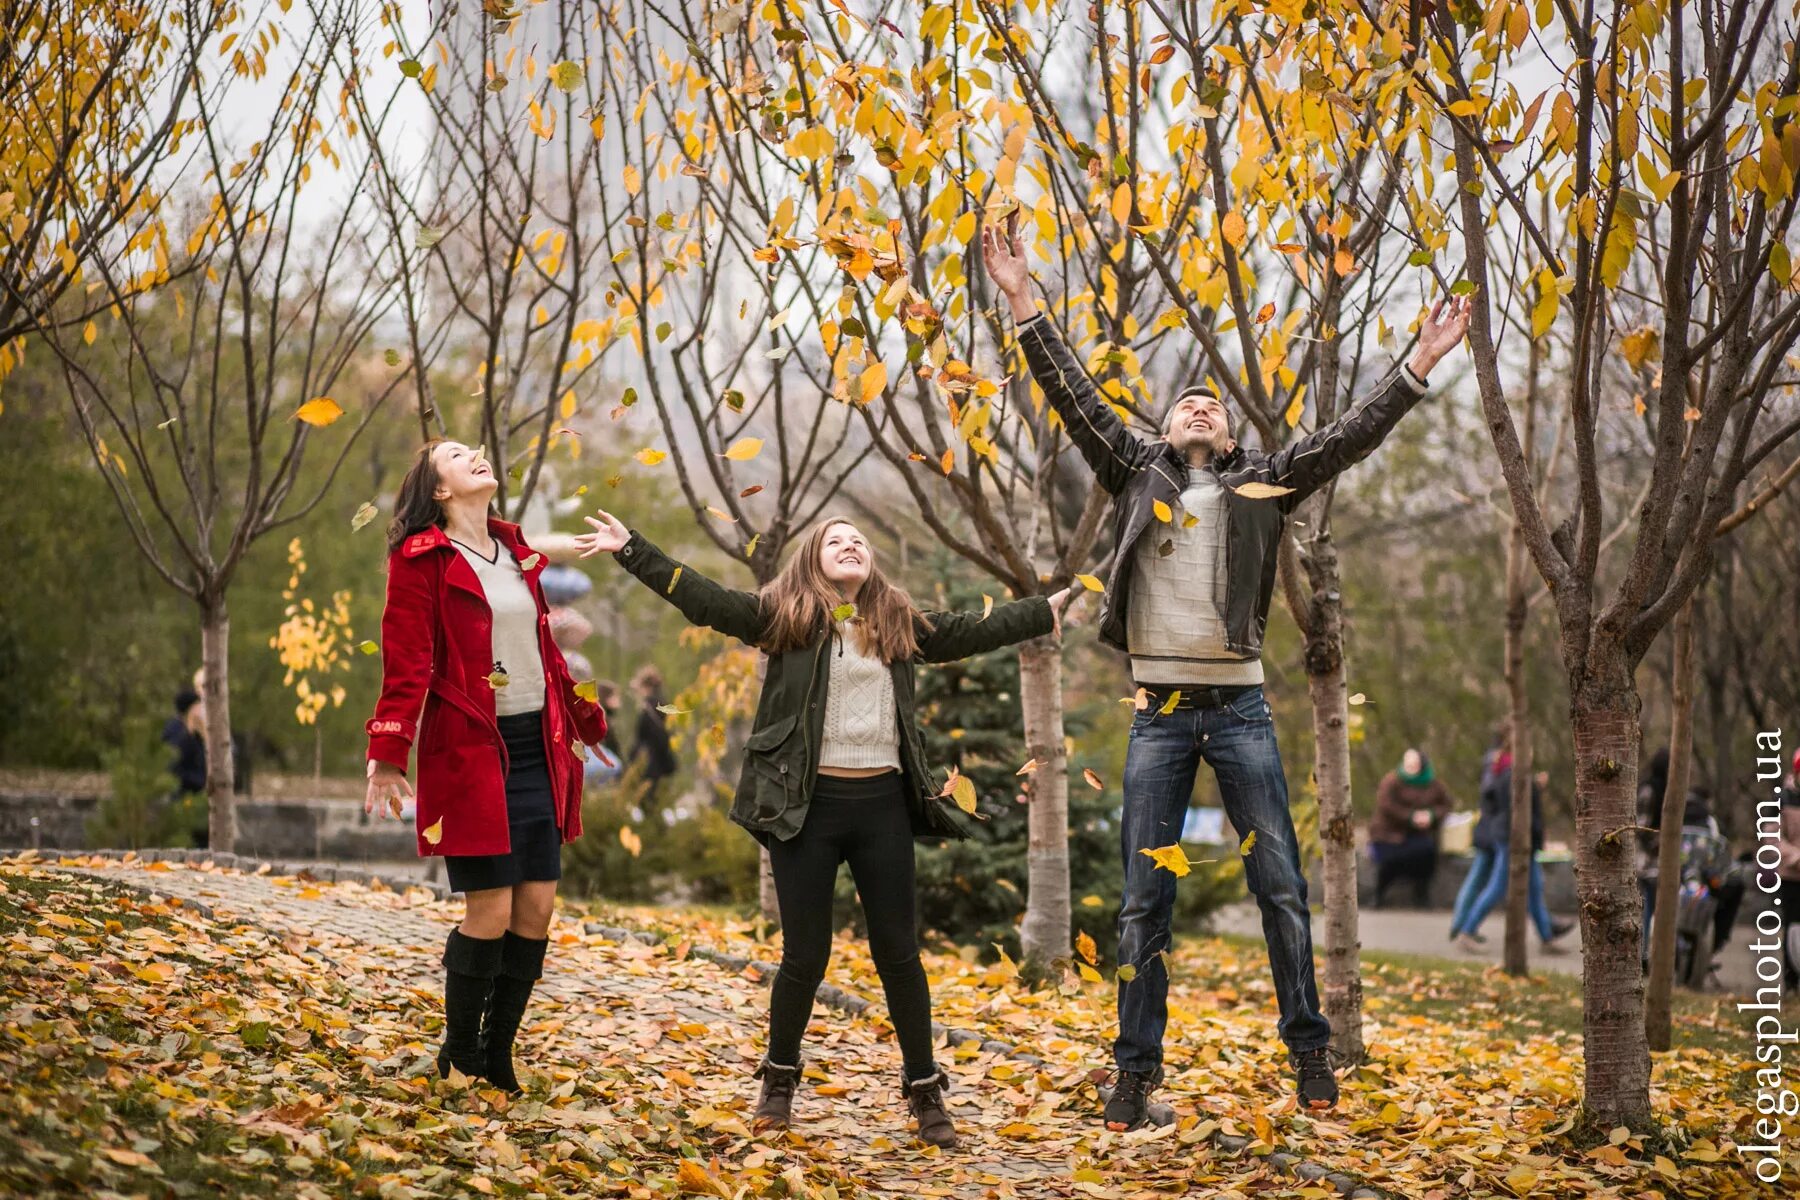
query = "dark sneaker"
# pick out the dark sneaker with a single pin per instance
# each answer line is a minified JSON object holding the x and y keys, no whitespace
{"x":1128,"y":1100}
{"x":925,"y":1100}
{"x":1314,"y":1081}
{"x":775,"y":1108}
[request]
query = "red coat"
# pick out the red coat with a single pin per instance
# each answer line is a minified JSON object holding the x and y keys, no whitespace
{"x":436,"y":652}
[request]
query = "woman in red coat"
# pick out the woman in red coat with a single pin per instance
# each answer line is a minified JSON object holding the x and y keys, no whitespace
{"x":466,"y":637}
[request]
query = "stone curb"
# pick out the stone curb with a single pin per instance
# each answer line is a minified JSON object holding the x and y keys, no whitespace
{"x":829,"y":994}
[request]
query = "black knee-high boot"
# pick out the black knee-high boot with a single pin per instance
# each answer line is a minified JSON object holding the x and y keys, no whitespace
{"x":521,"y":966}
{"x":470,"y":965}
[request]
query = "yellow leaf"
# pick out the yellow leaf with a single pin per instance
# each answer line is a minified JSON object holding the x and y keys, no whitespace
{"x":1640,"y":347}
{"x":1358,"y":698}
{"x":634,"y":181}
{"x":987,"y":606}
{"x":1093,"y":780}
{"x":1295,"y":407}
{"x":1090,"y":583}
{"x":669,"y":710}
{"x":435,"y":833}
{"x":1172,"y":859}
{"x":1249,"y":842}
{"x":1121,"y":203}
{"x":498,"y":680}
{"x":1091,"y":902}
{"x":744,"y":449}
{"x":89,"y":332}
{"x":1233,"y":228}
{"x":1084,"y":946}
{"x":630,"y":840}
{"x":649,"y":457}
{"x":948,"y":462}
{"x":1030,"y":766}
{"x":964,"y":229}
{"x":588,"y":690}
{"x":962,"y":790}
{"x":1258,"y":490}
{"x":1162,"y":511}
{"x":1088,"y":973}
{"x":321,"y":411}
{"x":874,"y":379}
{"x":1168,"y":705}
{"x":1343,"y":262}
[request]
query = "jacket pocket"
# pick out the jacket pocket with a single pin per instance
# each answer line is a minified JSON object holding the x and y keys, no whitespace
{"x":771,"y":736}
{"x":775,"y":786}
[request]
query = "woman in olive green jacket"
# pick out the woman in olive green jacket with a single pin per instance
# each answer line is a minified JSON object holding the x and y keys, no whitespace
{"x":834,"y":770}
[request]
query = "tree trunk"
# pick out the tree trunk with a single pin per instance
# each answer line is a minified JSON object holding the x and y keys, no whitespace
{"x":1341,"y":990}
{"x":215,"y":695}
{"x":1604,"y":711}
{"x":1519,"y":848}
{"x":1657,"y":1022}
{"x":1044,"y":934}
{"x":1519,"y":851}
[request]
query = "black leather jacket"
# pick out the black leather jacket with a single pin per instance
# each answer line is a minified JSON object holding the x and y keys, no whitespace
{"x":1139,"y":472}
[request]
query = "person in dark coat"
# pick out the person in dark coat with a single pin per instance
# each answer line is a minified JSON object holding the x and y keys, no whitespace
{"x":1410,"y":806}
{"x":651,"y":751}
{"x":1485,"y":887}
{"x":183,"y":734}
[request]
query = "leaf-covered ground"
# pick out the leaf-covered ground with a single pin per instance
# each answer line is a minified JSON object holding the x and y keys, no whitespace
{"x":283,"y":1046}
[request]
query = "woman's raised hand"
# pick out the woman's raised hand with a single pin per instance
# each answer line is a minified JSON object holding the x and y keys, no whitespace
{"x":609,"y":534}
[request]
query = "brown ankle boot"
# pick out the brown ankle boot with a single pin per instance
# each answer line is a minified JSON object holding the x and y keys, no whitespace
{"x":925,"y":1100}
{"x":775,"y":1108}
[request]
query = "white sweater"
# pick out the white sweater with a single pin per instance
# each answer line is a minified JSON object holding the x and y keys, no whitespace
{"x":862,"y":724}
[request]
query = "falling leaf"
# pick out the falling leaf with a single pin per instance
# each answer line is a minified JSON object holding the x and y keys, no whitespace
{"x":1163,"y":511}
{"x":425,"y":237}
{"x":369,"y":648}
{"x":567,"y":75}
{"x":962,"y":790}
{"x":843,"y":612}
{"x":673,"y":579}
{"x":1091,"y":583}
{"x":987,"y":606}
{"x":1030,"y":766}
{"x":1093,"y":780}
{"x":1249,"y":841}
{"x":1088,"y":973}
{"x":649,"y":457}
{"x":1256,"y":489}
{"x":434,"y":833}
{"x":750,"y":491}
{"x":319,"y":412}
{"x":1359,"y":698}
{"x":669,"y":710}
{"x":1091,"y":901}
{"x":1084,"y":946}
{"x":1233,"y":228}
{"x":1172,"y":859}
{"x":744,"y":449}
{"x":167,"y":423}
{"x":497,"y":680}
{"x":531,"y":560}
{"x":630,"y":840}
{"x":364,"y":514}
{"x":1127,"y":972}
{"x":588,"y":690}
{"x":1266,"y":311}
{"x":1168,"y":706}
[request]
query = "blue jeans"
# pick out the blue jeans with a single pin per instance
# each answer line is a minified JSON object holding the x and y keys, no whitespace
{"x":1484,"y":889}
{"x":1164,"y":754}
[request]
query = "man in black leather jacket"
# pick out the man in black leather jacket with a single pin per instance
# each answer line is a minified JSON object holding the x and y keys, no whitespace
{"x":1198,"y":520}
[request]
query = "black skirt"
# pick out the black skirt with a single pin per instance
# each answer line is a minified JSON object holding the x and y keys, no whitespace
{"x":530,"y":817}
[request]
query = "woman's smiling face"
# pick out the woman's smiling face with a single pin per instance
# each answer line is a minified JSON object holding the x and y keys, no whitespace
{"x":845,"y":557}
{"x":462,"y":472}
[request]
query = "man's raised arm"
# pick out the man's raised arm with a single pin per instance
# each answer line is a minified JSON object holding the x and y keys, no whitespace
{"x":1113,"y":452}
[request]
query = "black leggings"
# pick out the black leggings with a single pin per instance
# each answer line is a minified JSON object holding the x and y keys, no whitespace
{"x":863,"y":822}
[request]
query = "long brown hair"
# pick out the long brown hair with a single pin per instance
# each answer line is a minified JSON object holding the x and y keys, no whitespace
{"x":800,"y":599}
{"x":416,"y":506}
